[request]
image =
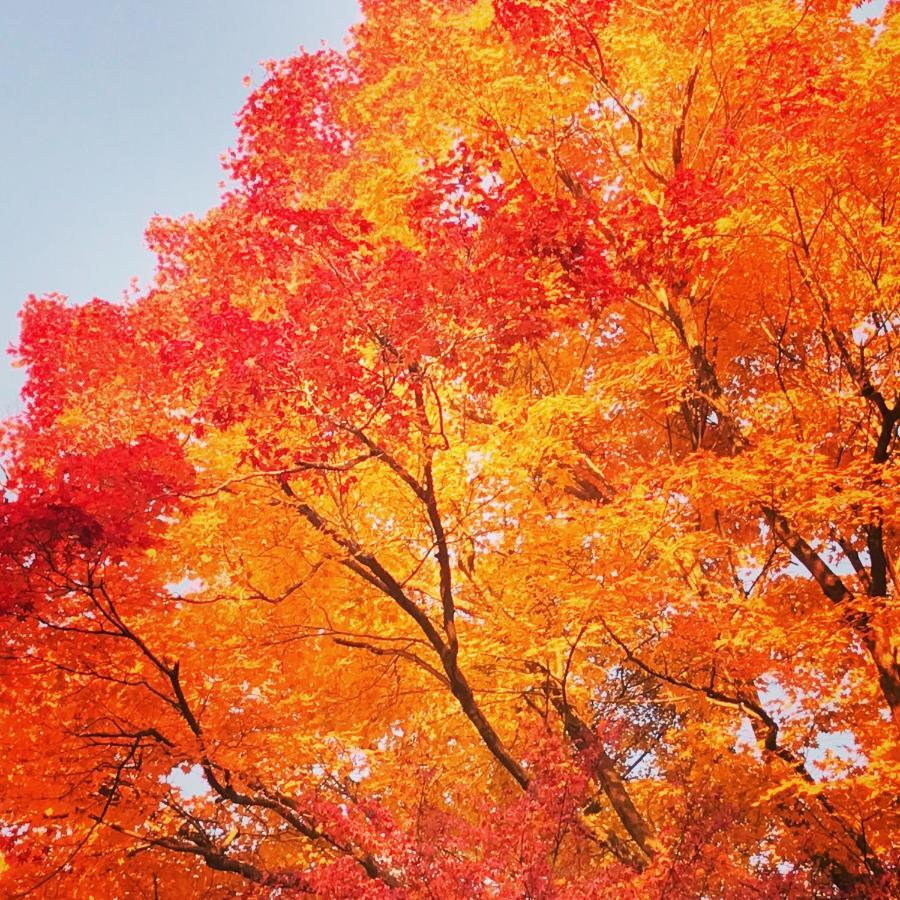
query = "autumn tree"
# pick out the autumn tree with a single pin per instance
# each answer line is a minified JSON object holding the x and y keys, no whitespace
{"x":496,"y":494}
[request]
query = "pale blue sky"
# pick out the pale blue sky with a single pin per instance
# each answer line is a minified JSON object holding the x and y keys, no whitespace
{"x":111,"y":111}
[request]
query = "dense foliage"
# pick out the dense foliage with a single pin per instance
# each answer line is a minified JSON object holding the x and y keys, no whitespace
{"x":496,"y":495}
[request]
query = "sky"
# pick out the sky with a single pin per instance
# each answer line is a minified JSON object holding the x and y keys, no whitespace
{"x":113,"y":111}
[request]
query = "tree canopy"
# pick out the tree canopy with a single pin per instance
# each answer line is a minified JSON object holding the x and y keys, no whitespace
{"x":496,"y":494}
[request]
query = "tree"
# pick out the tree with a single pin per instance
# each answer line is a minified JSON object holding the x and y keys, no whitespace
{"x":496,"y":495}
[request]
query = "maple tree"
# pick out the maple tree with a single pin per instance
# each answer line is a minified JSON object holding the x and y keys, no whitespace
{"x":496,"y":495}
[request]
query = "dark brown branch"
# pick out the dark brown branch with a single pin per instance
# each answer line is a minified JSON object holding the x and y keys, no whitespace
{"x":602,"y":766}
{"x":216,"y":858}
{"x":394,"y":652}
{"x":766,"y":730}
{"x":876,"y":642}
{"x":678,"y":136}
{"x":367,"y":567}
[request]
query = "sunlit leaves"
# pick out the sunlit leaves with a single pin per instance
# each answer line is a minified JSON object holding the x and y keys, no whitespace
{"x":496,"y":494}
